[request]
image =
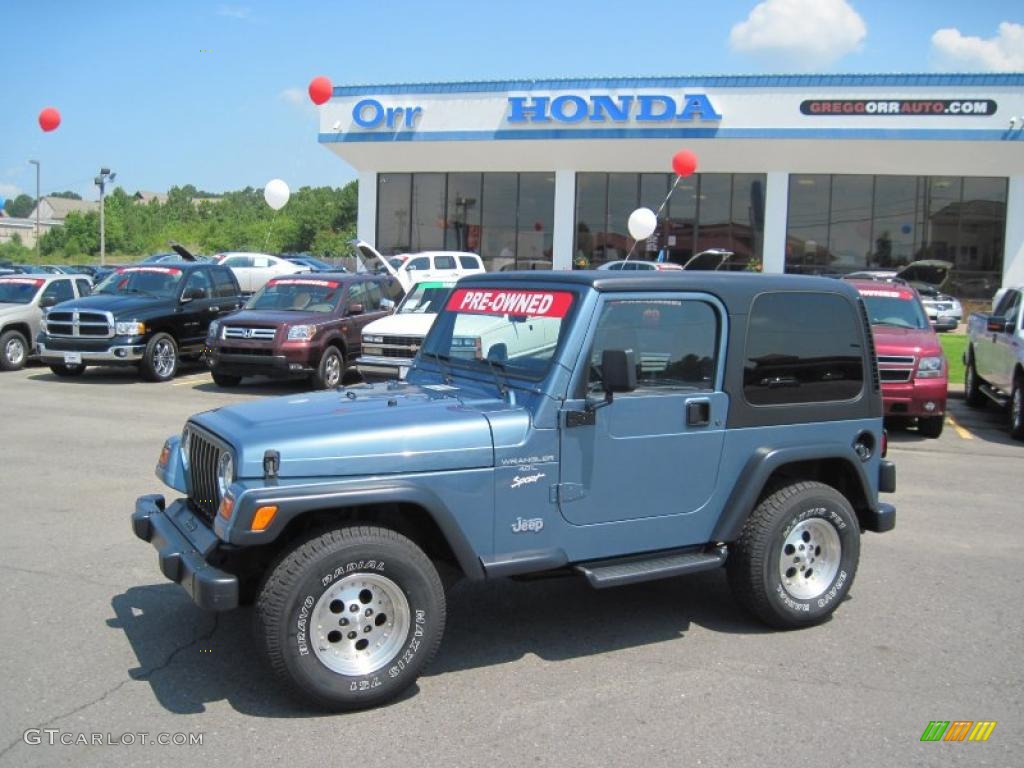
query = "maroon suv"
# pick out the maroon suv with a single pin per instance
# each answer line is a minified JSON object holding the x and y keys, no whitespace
{"x":300,"y":326}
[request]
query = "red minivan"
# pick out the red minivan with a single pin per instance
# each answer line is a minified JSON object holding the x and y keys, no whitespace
{"x":911,"y":364}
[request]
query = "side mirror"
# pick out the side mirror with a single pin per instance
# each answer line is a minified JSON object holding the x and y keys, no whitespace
{"x":47,"y":301}
{"x":387,"y":305}
{"x":618,"y":371}
{"x":355,"y":309}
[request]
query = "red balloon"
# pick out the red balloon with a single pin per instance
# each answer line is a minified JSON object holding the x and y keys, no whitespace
{"x":320,"y":89}
{"x":684,"y":162}
{"x":49,"y":119}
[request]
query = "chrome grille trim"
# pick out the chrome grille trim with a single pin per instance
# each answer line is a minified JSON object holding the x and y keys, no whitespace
{"x":257,"y":334}
{"x":75,"y":324}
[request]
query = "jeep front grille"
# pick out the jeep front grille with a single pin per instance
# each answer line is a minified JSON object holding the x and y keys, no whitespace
{"x":204,"y":453}
{"x":258,"y":334}
{"x":75,"y":324}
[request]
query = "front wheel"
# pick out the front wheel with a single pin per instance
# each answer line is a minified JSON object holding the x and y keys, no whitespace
{"x":1017,"y":410}
{"x":931,"y":426}
{"x":225,"y":380}
{"x":160,"y":360}
{"x":67,"y":371}
{"x":330,"y":371}
{"x":349,"y":619}
{"x":13,"y":351}
{"x":973,"y":395}
{"x":797,"y":555}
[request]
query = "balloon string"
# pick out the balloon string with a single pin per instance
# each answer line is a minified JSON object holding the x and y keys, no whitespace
{"x":657,"y":213}
{"x":270,"y":229}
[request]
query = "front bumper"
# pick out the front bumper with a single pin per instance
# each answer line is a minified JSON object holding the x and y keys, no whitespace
{"x":183,"y":544}
{"x":912,"y":398}
{"x":275,"y":366}
{"x":52,"y":353}
{"x":383,"y":367}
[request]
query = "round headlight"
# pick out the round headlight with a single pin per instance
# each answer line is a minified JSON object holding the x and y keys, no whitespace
{"x":225,"y":473}
{"x":186,"y":438}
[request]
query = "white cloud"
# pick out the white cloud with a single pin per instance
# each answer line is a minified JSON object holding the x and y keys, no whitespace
{"x":804,"y":34}
{"x":240,"y":12}
{"x":1002,"y":53}
{"x":9,"y":191}
{"x":298,"y":98}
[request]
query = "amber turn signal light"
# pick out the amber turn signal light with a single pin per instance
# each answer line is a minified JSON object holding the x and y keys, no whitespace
{"x":226,"y":507}
{"x":263,"y":518}
{"x":165,"y":456}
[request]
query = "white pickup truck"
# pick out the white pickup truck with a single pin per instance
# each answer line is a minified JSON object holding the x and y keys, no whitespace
{"x":995,"y":358}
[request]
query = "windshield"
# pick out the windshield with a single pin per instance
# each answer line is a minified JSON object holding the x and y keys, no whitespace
{"x":898,"y":309}
{"x":517,"y":331}
{"x":295,"y":294}
{"x":150,"y":281}
{"x":18,"y":290}
{"x":425,"y":298}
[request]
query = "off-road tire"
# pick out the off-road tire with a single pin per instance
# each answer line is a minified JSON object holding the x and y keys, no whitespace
{"x":156,"y":365}
{"x":331,"y":370}
{"x":225,"y":379}
{"x":67,"y":371}
{"x":930,"y":426}
{"x":755,"y":560}
{"x":14,"y":351}
{"x":973,"y":395}
{"x":1016,"y":408}
{"x":295,"y":610}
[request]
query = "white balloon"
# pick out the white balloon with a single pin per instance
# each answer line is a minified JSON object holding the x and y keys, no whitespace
{"x":276,"y":193}
{"x":642,"y":223}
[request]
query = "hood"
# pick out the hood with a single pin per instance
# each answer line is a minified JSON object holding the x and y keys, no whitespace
{"x":276,"y":317}
{"x":905,"y":341}
{"x":11,"y":309}
{"x":409,"y":324}
{"x":373,"y":430}
{"x":119,"y":304}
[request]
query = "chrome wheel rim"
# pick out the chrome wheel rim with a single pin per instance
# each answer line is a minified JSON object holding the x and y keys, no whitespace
{"x":1017,"y":407}
{"x":332,"y":370}
{"x":14,"y":351}
{"x":969,"y":378}
{"x":163,"y":358}
{"x":360,"y":624}
{"x":809,"y":559}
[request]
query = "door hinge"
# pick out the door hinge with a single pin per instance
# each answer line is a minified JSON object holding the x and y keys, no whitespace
{"x":562,"y":492}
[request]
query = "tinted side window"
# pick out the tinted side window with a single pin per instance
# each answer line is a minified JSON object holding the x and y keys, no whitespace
{"x":1008,"y":305}
{"x":469,"y":262}
{"x":675,"y":342}
{"x":357,"y":294}
{"x":373,"y":297}
{"x":198,"y":280}
{"x":223,"y":283}
{"x":444,"y":262}
{"x":238,"y":261}
{"x":802,"y":348}
{"x":61,"y":290}
{"x":84,"y":289}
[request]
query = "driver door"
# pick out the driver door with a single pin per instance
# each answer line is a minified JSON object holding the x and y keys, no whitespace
{"x":653,"y":452}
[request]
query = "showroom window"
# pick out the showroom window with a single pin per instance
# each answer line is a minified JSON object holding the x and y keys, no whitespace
{"x":505,"y":217}
{"x":846,"y":223}
{"x":711,"y":210}
{"x":799,"y":349}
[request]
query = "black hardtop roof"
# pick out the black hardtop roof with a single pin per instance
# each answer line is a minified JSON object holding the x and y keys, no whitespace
{"x":735,"y":289}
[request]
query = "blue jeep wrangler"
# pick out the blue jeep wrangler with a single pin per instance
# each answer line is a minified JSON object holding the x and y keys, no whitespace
{"x":618,"y":426}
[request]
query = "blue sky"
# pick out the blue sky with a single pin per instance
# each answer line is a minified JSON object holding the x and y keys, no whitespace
{"x":213,"y":93}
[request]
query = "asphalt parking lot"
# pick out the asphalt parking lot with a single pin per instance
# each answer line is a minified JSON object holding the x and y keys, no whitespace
{"x":670,"y":673}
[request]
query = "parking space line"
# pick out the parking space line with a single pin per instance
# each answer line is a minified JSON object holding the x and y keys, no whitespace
{"x":194,"y":378}
{"x":964,"y":433}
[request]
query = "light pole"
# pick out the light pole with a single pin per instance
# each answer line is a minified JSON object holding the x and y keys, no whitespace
{"x":101,"y":182}
{"x":36,"y":164}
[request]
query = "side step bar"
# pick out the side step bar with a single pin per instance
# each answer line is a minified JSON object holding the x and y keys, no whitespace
{"x":630,"y":570}
{"x":999,"y":399}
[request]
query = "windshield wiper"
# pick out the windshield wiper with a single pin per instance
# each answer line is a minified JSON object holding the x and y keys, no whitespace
{"x":446,"y":375}
{"x":891,"y":324}
{"x":499,"y":379}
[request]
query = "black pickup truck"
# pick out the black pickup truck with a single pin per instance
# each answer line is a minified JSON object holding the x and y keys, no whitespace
{"x":148,"y":315}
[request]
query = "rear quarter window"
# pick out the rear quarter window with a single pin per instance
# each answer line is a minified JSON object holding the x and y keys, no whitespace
{"x":802,"y":348}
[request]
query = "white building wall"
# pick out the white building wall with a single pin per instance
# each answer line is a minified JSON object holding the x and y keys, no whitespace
{"x":776,"y":207}
{"x":563,"y":234}
{"x":1013,"y":261}
{"x":366,"y":219}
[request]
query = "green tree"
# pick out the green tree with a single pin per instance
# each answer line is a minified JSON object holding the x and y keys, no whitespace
{"x":66,"y":195}
{"x":20,"y":207}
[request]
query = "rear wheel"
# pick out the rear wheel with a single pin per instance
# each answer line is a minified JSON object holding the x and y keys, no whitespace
{"x":350,"y":618}
{"x":13,"y":351}
{"x":160,"y":360}
{"x":931,"y":426}
{"x":797,"y":555}
{"x":67,"y":371}
{"x":225,"y":380}
{"x":973,"y":395}
{"x":330,"y":371}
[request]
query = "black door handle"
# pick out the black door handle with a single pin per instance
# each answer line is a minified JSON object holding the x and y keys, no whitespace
{"x":698,"y":413}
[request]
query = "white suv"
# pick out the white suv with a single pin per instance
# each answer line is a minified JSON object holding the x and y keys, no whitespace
{"x":428,"y":265}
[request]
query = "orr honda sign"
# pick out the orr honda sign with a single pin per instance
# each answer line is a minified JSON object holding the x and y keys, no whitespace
{"x":603,"y":108}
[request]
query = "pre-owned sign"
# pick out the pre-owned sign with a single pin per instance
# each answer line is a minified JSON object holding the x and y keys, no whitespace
{"x":973,"y":107}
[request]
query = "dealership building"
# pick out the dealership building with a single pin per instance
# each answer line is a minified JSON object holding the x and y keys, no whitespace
{"x":819,"y":174}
